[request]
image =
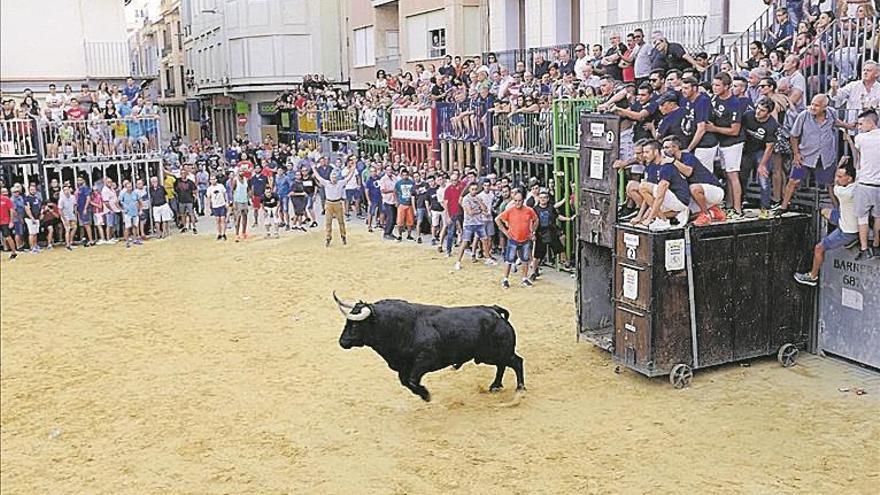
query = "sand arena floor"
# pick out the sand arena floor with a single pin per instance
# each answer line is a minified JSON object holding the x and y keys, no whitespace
{"x":192,"y":367}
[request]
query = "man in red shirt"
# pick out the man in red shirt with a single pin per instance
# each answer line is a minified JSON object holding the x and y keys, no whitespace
{"x":518,"y":224}
{"x":6,"y":209}
{"x":75,"y":112}
{"x":452,"y":205}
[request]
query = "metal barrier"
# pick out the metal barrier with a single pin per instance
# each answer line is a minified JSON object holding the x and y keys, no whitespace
{"x":462,"y":121}
{"x":18,"y":139}
{"x":509,"y":58}
{"x":566,"y":122}
{"x":522,"y":133}
{"x":838,"y":52}
{"x":688,"y":30}
{"x":99,"y":138}
{"x":338,"y":121}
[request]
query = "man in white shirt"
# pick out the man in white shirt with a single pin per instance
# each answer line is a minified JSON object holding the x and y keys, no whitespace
{"x":581,"y":62}
{"x":845,"y":218}
{"x":858,"y":95}
{"x":867,"y":193}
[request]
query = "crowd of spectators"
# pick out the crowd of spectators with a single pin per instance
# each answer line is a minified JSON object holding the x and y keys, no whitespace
{"x":97,"y":122}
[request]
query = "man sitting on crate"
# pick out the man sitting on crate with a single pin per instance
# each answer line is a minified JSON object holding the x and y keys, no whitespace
{"x":665,"y":193}
{"x":706,"y":192}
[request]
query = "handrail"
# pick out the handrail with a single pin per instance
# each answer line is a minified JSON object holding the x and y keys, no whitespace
{"x":688,"y":30}
{"x":738,"y":49}
{"x":18,"y":139}
{"x":99,"y":138}
{"x":522,"y":133}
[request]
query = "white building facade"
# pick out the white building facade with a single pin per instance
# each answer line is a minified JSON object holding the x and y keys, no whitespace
{"x":239,"y":54}
{"x":62,"y":42}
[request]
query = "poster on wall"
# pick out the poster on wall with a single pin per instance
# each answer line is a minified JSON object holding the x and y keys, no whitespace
{"x":412,"y":124}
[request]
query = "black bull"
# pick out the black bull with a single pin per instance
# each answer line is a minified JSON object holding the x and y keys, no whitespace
{"x":415,"y":339}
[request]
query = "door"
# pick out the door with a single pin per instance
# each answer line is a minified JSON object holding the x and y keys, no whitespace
{"x":751,"y":336}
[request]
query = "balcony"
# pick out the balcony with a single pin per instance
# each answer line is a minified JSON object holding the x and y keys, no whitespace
{"x":98,"y":140}
{"x":107,"y":59}
{"x":18,"y":139}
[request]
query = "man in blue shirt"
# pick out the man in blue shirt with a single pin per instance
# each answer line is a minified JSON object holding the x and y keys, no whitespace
{"x":706,"y":191}
{"x":697,"y":110}
{"x":84,"y":210}
{"x":374,"y":196}
{"x":258,"y":184}
{"x":665,"y":193}
{"x":405,"y":215}
{"x":33,"y":208}
{"x":130,"y":90}
{"x":282,"y":189}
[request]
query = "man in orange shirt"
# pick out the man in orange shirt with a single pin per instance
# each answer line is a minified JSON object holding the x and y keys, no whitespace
{"x":518,"y":224}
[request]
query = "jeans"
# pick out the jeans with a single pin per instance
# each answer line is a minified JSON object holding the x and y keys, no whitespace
{"x":766,"y":183}
{"x":454,"y":222}
{"x":202,"y":194}
{"x":390,"y":212}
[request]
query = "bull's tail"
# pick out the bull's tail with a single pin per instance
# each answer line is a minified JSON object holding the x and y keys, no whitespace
{"x":501,"y":312}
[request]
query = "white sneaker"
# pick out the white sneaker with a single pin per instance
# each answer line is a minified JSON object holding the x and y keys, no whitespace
{"x":659,"y":224}
{"x":458,"y":265}
{"x":490,"y":262}
{"x":100,"y":242}
{"x":683,"y":217}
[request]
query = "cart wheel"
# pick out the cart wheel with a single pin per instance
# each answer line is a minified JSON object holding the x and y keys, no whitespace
{"x":681,"y":376}
{"x":787,"y":355}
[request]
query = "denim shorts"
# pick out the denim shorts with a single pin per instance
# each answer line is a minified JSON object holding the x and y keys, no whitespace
{"x":838,"y":239}
{"x":514,"y":250}
{"x":823,"y":176}
{"x":471,"y":230}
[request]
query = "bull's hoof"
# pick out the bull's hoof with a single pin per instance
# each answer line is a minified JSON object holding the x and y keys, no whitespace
{"x":496,"y":388}
{"x":426,"y":396}
{"x":457,"y":366}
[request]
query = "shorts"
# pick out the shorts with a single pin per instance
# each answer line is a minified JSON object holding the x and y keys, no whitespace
{"x":220,"y":211}
{"x":46,"y":224}
{"x":18,"y":227}
{"x":374,"y":209}
{"x":240,"y":208}
{"x":470,"y":231}
{"x":110,"y":218}
{"x":421,"y":215}
{"x":838,"y":238}
{"x":99,"y":219}
{"x":436,"y":218}
{"x":271,"y":215}
{"x":5,"y":231}
{"x":256,"y":201}
{"x":162,"y":213}
{"x":352,"y":195}
{"x":33,"y":226}
{"x":670,"y":201}
{"x":84,"y":218}
{"x":707,"y":157}
{"x":731,"y":157}
{"x":867,"y":199}
{"x":405,"y":216}
{"x":714,"y":196}
{"x":514,"y":250}
{"x":489,"y":226}
{"x":129,"y":221}
{"x":823,"y":176}
{"x":283,"y":203}
{"x":547,"y":240}
{"x":186,"y":209}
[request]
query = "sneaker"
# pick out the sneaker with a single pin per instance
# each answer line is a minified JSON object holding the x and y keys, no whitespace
{"x":224,"y":237}
{"x":806,"y":279}
{"x":400,"y":238}
{"x":628,"y":216}
{"x":409,"y":237}
{"x":433,"y":241}
{"x":344,"y":242}
{"x":474,"y":259}
{"x":13,"y":256}
{"x":717,"y":214}
{"x":69,"y":248}
{"x":490,"y":262}
{"x":137,"y":242}
{"x":326,"y":242}
{"x":370,"y":230}
{"x":527,"y":283}
{"x":195,"y":231}
{"x":457,"y":265}
{"x":127,"y":244}
{"x":505,"y":284}
{"x":314,"y":224}
{"x":34,"y":250}
{"x":864,"y":255}
{"x":683,"y":217}
{"x":237,"y":238}
{"x":764,"y":214}
{"x":389,"y":237}
{"x":218,"y":237}
{"x":659,"y":224}
{"x":702,"y":220}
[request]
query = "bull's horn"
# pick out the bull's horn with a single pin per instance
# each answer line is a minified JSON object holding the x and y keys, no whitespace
{"x":342,"y":304}
{"x":362,"y":315}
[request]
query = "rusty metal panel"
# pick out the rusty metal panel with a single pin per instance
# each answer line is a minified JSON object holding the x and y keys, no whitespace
{"x":600,"y":146}
{"x":849,"y":307}
{"x":594,"y":303}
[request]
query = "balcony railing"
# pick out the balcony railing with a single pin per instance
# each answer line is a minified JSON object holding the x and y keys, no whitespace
{"x":328,"y":121}
{"x":108,"y":59}
{"x":17,"y":138}
{"x":838,"y":52}
{"x":566,"y":122}
{"x":78,"y":140}
{"x":689,"y":30}
{"x":462,"y":121}
{"x":374,"y":124}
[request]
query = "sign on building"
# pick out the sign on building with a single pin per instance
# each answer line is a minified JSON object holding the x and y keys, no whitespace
{"x":412,"y":124}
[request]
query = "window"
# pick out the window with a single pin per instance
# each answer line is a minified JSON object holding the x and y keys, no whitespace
{"x":426,"y":35}
{"x":437,"y":42}
{"x":364,"y":47}
{"x":392,"y":43}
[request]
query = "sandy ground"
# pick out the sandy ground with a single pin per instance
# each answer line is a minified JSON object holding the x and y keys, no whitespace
{"x":191,"y":367}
